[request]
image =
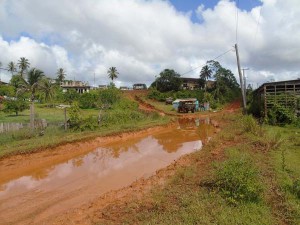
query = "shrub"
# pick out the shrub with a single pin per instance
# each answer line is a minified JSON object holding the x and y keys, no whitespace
{"x":249,"y":124}
{"x":75,"y":117}
{"x":279,"y":114}
{"x":238,"y":180}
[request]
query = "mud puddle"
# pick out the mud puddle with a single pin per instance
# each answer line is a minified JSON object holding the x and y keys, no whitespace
{"x":49,"y":191}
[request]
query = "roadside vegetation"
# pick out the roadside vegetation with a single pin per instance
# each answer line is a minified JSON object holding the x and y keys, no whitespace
{"x":248,"y":174}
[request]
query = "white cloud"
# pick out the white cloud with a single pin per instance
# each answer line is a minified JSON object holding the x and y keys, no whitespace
{"x":141,"y":37}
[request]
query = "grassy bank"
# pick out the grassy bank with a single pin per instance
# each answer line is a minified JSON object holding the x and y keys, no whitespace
{"x":122,"y":115}
{"x":246,"y":175}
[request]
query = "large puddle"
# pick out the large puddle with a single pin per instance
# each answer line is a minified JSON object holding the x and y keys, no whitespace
{"x":109,"y":167}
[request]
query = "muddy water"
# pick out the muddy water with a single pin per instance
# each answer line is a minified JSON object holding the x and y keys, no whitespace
{"x":49,"y":191}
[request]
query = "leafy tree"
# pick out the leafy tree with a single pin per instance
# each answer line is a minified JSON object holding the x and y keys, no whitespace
{"x":17,"y":81}
{"x":71,"y":96}
{"x":205,"y":74}
{"x":15,"y":105}
{"x":87,"y":100}
{"x":168,"y":80}
{"x":7,"y":90}
{"x":61,"y":75}
{"x":225,"y":87}
{"x":11,"y":68}
{"x":112,"y":73}
{"x":23,"y":64}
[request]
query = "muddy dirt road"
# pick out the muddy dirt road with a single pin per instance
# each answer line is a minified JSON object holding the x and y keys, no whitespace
{"x":38,"y":188}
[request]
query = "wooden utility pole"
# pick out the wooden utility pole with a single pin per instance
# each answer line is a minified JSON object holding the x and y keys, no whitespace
{"x":245,"y":89}
{"x":241,"y":77}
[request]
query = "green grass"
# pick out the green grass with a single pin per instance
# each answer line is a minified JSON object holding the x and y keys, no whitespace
{"x":52,"y":115}
{"x":23,"y":141}
{"x":193,"y":198}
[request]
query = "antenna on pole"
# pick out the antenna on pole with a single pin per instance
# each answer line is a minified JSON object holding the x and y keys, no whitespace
{"x":241,"y":77}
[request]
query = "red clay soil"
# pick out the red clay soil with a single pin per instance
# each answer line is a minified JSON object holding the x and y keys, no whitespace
{"x":99,"y":209}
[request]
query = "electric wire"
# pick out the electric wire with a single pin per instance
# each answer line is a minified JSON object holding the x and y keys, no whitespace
{"x":206,"y":62}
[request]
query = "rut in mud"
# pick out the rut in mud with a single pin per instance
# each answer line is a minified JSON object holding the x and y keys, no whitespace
{"x":45,"y":192}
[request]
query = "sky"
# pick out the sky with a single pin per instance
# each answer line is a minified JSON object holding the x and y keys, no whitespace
{"x":141,"y":38}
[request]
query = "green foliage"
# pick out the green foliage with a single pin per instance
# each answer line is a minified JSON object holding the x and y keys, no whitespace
{"x":250,"y":125}
{"x":296,"y":188}
{"x":120,"y":116}
{"x":238,"y":180}
{"x":75,"y":116}
{"x":168,"y":80}
{"x":87,"y":100}
{"x":109,"y":96}
{"x":17,"y":81}
{"x":279,"y":114}
{"x":89,"y":123}
{"x":71,"y":96}
{"x":15,"y":106}
{"x":7,"y":90}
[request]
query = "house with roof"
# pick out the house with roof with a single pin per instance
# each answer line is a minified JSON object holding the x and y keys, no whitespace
{"x":79,"y":86}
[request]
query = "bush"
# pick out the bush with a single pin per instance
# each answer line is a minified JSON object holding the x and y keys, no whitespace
{"x":279,"y":114}
{"x":249,"y":124}
{"x":238,"y":180}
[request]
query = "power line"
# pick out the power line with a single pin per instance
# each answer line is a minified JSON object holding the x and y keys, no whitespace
{"x":206,"y":62}
{"x":237,"y":20}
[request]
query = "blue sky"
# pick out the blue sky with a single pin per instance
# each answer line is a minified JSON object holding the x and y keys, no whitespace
{"x":191,"y":5}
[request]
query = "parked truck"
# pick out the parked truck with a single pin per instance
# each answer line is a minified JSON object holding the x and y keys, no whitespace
{"x":186,"y":106}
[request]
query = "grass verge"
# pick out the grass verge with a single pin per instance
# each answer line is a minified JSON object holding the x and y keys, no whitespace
{"x":246,"y":175}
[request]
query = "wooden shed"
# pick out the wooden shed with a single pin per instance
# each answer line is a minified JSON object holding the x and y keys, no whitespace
{"x":284,"y":93}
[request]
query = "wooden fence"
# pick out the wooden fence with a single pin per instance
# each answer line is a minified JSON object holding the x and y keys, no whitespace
{"x":6,"y":127}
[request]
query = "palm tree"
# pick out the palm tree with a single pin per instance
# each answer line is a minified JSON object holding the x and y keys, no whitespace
{"x":205,"y":74}
{"x":112,"y":73}
{"x":23,"y":64}
{"x":48,"y":89}
{"x":11,"y":68}
{"x":34,"y":77}
{"x":61,"y":74}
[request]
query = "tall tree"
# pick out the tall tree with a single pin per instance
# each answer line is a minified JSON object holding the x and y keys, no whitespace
{"x":205,"y":74}
{"x":12,"y":68}
{"x":112,"y":73}
{"x":23,"y":64}
{"x":34,"y":77}
{"x":61,"y":75}
{"x":168,"y":80}
{"x":48,"y":89}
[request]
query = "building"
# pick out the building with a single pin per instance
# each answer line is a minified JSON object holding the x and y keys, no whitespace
{"x":194,"y":83}
{"x":78,"y":86}
{"x":139,"y":87}
{"x":3,"y":83}
{"x":285,"y":93}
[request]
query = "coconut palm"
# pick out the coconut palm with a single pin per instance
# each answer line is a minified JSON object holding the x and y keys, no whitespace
{"x":23,"y":64}
{"x":48,"y":89}
{"x":205,"y":74}
{"x":12,"y":68}
{"x":31,"y":85}
{"x":61,"y":74}
{"x":112,"y":73}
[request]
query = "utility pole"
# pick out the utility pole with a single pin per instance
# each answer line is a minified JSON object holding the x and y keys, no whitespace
{"x":245,"y":89}
{"x":241,"y":78}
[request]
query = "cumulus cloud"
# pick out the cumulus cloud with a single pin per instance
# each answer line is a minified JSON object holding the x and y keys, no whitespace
{"x":141,"y":38}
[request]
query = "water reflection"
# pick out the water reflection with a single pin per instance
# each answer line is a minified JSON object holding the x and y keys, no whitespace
{"x":117,"y":164}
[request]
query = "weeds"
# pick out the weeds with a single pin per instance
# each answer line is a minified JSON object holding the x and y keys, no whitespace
{"x":296,"y":188}
{"x":238,"y":180}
